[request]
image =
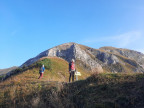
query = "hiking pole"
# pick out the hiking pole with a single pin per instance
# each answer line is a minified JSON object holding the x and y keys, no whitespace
{"x":76,"y":77}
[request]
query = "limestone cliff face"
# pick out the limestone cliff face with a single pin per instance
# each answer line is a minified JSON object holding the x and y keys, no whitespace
{"x":96,"y":60}
{"x":68,"y":52}
{"x":134,"y":55}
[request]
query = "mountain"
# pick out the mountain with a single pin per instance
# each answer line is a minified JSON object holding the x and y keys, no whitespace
{"x":134,"y":55}
{"x":105,"y":59}
{"x":96,"y":60}
{"x":22,"y":88}
{"x":5,"y":71}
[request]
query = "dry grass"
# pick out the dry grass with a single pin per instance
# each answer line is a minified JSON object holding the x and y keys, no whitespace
{"x":105,"y":90}
{"x":21,"y":86}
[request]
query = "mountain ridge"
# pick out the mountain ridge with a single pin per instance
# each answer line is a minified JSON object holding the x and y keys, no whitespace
{"x":98,"y":60}
{"x":6,"y":70}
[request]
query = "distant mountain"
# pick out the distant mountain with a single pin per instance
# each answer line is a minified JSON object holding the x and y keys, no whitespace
{"x":105,"y":59}
{"x":5,"y":71}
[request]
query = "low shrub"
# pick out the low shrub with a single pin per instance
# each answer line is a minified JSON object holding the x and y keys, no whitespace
{"x":46,"y":62}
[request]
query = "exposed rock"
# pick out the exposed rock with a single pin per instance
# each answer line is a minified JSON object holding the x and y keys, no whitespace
{"x":134,"y":55}
{"x":113,"y":59}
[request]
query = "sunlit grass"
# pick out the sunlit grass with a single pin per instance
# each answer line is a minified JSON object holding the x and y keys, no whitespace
{"x":103,"y":90}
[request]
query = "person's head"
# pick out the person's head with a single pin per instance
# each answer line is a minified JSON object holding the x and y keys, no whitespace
{"x":72,"y":60}
{"x":42,"y":65}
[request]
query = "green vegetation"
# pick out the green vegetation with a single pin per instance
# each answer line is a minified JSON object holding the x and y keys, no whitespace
{"x":45,"y":62}
{"x":1,"y":77}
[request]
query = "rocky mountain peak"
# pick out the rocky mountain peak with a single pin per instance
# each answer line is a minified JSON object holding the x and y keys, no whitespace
{"x":108,"y":58}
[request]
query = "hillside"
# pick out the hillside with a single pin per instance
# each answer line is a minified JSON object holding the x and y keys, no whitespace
{"x":105,"y":90}
{"x":23,"y":81}
{"x":5,"y":71}
{"x":56,"y":70}
{"x":105,"y":59}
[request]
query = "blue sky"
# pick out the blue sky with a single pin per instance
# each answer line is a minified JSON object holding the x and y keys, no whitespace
{"x":28,"y":27}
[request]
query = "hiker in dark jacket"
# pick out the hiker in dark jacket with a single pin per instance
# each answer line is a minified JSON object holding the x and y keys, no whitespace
{"x":41,"y":71}
{"x":72,"y":70}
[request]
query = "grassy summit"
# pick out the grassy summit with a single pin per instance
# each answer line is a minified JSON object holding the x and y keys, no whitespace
{"x":24,"y":81}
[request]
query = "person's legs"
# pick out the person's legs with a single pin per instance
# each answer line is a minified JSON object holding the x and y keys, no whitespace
{"x":70,"y":77}
{"x":39,"y":76}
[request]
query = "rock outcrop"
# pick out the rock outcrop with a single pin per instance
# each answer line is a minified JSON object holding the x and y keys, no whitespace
{"x":96,"y":60}
{"x":134,"y":55}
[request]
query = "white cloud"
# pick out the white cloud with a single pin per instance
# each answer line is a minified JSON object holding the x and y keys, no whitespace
{"x":122,"y":40}
{"x":126,"y":39}
{"x":132,"y":40}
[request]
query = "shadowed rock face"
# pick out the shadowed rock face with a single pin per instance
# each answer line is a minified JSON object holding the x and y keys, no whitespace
{"x":114,"y":59}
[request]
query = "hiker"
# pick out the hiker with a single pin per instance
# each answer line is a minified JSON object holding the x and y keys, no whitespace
{"x":41,"y":71}
{"x":72,"y":70}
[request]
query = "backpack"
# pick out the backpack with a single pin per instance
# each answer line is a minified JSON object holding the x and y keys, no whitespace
{"x":40,"y":71}
{"x":72,"y":66}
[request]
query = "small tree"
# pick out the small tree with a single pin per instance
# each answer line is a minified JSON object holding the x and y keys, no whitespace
{"x":46,"y":62}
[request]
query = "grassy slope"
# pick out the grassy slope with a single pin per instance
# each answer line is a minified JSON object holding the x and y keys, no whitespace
{"x":26,"y":82}
{"x":109,"y":91}
{"x":105,"y":90}
{"x":58,"y":72}
{"x":98,"y":91}
{"x":3,"y":72}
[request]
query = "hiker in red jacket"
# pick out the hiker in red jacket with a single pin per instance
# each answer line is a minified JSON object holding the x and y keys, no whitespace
{"x":72,"y":69}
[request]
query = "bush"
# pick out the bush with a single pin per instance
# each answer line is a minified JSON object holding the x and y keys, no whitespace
{"x":2,"y":77}
{"x":45,"y":62}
